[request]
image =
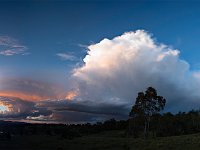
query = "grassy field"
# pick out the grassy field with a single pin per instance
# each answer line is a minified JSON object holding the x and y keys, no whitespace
{"x":112,"y":140}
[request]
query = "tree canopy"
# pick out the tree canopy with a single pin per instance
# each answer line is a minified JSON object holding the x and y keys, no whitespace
{"x":148,"y":103}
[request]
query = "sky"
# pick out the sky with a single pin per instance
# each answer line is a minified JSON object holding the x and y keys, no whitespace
{"x":85,"y":61}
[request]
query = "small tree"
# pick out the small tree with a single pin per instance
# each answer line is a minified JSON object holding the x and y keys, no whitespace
{"x":146,"y":105}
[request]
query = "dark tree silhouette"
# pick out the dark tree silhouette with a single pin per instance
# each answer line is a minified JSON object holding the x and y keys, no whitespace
{"x":146,"y":105}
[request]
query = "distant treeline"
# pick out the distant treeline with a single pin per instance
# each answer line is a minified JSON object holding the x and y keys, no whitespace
{"x":166,"y":124}
{"x":67,"y":131}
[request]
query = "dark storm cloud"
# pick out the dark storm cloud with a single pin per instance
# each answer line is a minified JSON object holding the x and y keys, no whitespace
{"x":20,"y":109}
{"x":86,"y":107}
{"x":58,"y":111}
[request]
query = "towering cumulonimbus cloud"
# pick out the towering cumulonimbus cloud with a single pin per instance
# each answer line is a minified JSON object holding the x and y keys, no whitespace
{"x":115,"y":70}
{"x":106,"y":85}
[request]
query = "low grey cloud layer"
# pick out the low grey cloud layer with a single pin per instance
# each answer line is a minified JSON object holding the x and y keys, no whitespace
{"x":73,"y":111}
{"x":56,"y":111}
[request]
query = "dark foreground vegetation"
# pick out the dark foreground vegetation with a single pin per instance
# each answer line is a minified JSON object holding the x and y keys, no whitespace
{"x":166,"y":131}
{"x":107,"y":140}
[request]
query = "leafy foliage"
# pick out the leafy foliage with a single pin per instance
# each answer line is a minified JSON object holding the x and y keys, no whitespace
{"x":148,"y":103}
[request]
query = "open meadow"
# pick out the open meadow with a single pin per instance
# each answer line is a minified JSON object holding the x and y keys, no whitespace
{"x":109,"y":140}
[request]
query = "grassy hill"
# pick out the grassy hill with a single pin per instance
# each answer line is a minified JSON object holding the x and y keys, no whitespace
{"x":109,"y":140}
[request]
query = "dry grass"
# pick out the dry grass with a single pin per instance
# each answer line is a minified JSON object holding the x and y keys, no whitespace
{"x":112,"y":140}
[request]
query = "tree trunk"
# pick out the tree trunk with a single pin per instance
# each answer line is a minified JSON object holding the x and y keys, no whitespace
{"x":145,"y":128}
{"x":148,"y":125}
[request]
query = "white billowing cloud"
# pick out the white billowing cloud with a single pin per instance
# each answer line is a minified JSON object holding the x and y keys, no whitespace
{"x":65,"y":56}
{"x":116,"y":70}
